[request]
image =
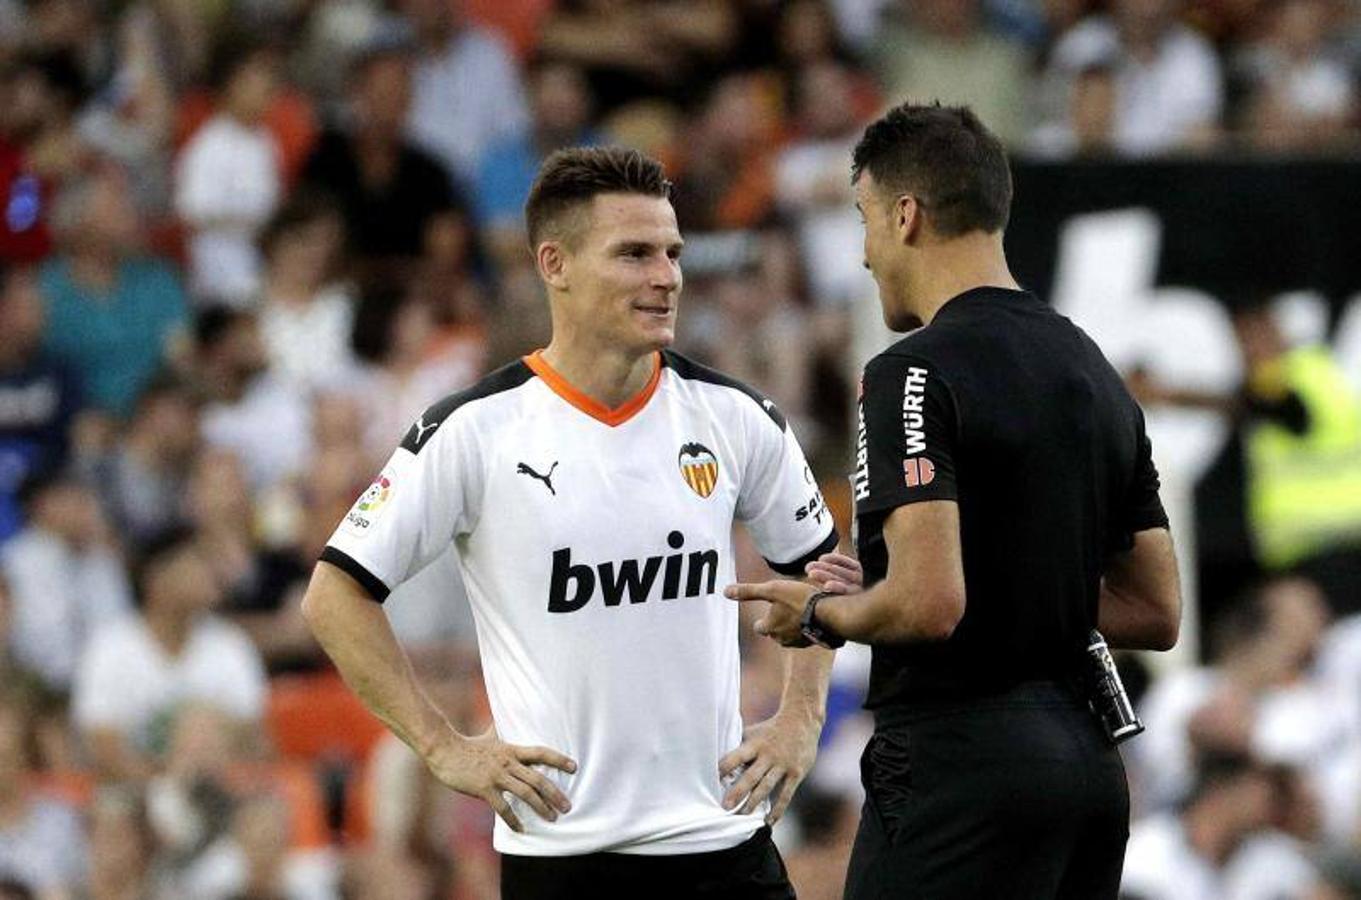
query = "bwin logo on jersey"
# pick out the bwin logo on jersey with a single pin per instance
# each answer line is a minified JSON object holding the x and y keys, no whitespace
{"x":573,"y":585}
{"x":699,"y":468}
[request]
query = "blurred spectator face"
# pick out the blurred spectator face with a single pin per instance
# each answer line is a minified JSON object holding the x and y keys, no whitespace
{"x":1259,"y":337}
{"x":382,"y":94}
{"x":308,"y":250}
{"x":337,"y":421}
{"x":30,"y":102}
{"x":434,"y":19}
{"x":949,"y":18}
{"x":1143,"y":21}
{"x":219,"y":494}
{"x":1093,"y":110}
{"x":71,"y":511}
{"x":252,"y":87}
{"x":21,"y":313}
{"x":13,"y":746}
{"x":98,"y":215}
{"x":1301,"y":27}
{"x":734,"y":120}
{"x":260,"y":828}
{"x":805,"y":32}
{"x":182,"y":583}
{"x":120,"y":839}
{"x":1297,"y":617}
{"x":238,"y":351}
{"x":413,"y":327}
{"x":826,"y":104}
{"x":561,"y":100}
{"x":170,"y":419}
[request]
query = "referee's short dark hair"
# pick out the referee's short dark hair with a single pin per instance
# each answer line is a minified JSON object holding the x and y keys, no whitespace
{"x":946,"y":158}
{"x":571,"y":178}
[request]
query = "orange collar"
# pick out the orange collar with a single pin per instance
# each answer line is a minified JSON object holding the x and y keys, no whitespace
{"x":596,"y":410}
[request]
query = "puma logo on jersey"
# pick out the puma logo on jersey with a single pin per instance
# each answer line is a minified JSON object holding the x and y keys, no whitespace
{"x":573,"y":585}
{"x":422,"y":428}
{"x":523,"y":469}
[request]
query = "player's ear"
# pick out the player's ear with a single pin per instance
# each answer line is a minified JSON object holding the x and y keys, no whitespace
{"x":907,"y":218}
{"x":550,"y":257}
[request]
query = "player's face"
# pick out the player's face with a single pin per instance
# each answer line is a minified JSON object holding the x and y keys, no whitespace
{"x":884,"y":252}
{"x":623,"y":274}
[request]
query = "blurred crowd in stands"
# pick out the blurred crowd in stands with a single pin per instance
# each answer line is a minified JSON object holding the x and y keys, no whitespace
{"x":246,"y":242}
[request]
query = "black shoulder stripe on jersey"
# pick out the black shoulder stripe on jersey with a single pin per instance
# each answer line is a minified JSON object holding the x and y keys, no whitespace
{"x":506,"y":378}
{"x":688,"y":368}
{"x":796,"y":567}
{"x":347,"y":564}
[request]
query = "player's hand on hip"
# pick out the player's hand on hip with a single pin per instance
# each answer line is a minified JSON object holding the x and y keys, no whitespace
{"x":787,"y":600}
{"x":772,"y":761}
{"x":488,"y":768}
{"x":836,"y":573}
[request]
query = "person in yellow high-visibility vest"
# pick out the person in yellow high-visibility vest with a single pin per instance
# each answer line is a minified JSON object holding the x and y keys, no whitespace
{"x":1301,"y":422}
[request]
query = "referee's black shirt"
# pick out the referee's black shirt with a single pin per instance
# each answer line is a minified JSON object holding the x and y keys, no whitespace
{"x":1008,"y":408}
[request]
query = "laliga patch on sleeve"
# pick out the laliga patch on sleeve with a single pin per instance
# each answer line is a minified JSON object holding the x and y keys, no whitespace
{"x":359,"y":520}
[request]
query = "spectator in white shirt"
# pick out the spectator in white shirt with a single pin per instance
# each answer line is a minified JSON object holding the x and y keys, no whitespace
{"x":467,"y":92}
{"x":264,"y":421}
{"x":306,"y":316}
{"x":42,"y":844}
{"x":1189,"y":856}
{"x":65,"y":578}
{"x":1302,"y":99}
{"x":1169,"y":90}
{"x":227,"y":181}
{"x":137,"y":672}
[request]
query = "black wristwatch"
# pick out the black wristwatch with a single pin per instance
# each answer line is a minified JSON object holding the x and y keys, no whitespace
{"x":809,"y":627}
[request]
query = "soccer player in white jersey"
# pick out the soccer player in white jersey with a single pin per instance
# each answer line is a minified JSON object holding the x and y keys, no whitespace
{"x":590,"y":490}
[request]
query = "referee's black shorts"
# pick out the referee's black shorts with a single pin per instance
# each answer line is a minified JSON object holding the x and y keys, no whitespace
{"x":753,"y":870}
{"x":1017,"y":796}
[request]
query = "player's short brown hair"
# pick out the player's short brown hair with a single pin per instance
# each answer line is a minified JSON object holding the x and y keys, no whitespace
{"x":946,"y":158}
{"x":571,"y":178}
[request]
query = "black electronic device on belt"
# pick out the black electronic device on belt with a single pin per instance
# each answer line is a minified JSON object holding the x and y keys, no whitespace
{"x":1106,"y":693}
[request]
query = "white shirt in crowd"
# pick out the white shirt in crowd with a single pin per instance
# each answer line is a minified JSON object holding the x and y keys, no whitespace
{"x":60,"y":596}
{"x":465,"y":99}
{"x":309,"y":345}
{"x":129,"y":682}
{"x":1161,"y":864}
{"x":595,"y":545}
{"x":1158,"y":103}
{"x":830,"y":234}
{"x":226,"y":187}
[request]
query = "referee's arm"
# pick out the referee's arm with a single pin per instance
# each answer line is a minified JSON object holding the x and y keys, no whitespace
{"x":1141,"y":595}
{"x":922,"y":596}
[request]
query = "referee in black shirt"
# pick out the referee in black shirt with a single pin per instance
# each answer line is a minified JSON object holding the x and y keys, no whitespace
{"x":1006,"y":504}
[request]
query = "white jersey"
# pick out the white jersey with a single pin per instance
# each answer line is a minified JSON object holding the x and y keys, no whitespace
{"x":595,"y":547}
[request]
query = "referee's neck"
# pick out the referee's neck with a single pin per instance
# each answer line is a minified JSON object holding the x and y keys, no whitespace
{"x":956,"y":265}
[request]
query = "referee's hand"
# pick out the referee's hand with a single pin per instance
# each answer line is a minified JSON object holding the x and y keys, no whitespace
{"x":836,"y":573}
{"x":488,"y":768}
{"x":787,"y":600}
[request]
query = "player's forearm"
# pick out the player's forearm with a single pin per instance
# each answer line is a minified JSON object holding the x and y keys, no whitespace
{"x":887,"y":614}
{"x":355,"y":633}
{"x":807,"y":673}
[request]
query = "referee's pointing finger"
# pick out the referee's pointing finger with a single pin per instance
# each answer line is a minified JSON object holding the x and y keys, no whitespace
{"x":742,"y":592}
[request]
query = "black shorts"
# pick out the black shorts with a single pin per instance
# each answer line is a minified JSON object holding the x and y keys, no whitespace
{"x":1017,"y":796}
{"x":753,"y":870}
